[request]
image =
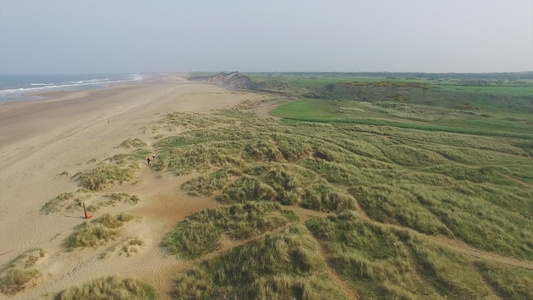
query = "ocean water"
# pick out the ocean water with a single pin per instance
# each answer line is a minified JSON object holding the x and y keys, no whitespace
{"x":17,"y":87}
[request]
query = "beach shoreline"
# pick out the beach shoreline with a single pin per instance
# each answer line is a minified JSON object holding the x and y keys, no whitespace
{"x":44,"y":143}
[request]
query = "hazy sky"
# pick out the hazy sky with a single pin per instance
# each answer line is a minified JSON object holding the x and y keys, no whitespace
{"x":152,"y":36}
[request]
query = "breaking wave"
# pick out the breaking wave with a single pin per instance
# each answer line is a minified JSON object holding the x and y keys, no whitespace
{"x":21,"y":89}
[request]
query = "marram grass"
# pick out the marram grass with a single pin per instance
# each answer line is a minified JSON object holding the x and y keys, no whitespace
{"x":201,"y":233}
{"x":111,"y":287}
{"x":97,"y":232}
{"x":475,"y":188}
{"x":21,"y":272}
{"x":285,"y":265}
{"x":105,"y":175}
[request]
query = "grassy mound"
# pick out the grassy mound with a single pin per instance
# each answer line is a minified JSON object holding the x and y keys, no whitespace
{"x":278,"y":185}
{"x":284,"y":183}
{"x":118,"y":168}
{"x":245,"y":189}
{"x":132,"y":143}
{"x":409,"y":156}
{"x":388,"y":204}
{"x":111,"y":287}
{"x":19,"y":273}
{"x":73,"y":201}
{"x":105,"y":175}
{"x":285,"y":265}
{"x":323,"y":197}
{"x":508,"y":282}
{"x":394,"y":264}
{"x":59,"y":203}
{"x":202,"y":157}
{"x":201,"y":233}
{"x":97,"y":232}
{"x":468,"y":187}
{"x":207,"y":184}
{"x":185,"y":121}
{"x":112,"y":199}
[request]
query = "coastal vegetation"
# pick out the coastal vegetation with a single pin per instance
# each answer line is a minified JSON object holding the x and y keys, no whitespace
{"x":283,"y":265}
{"x":202,"y":232}
{"x":132,"y":143}
{"x":20,"y":273}
{"x":353,"y":188}
{"x":119,"y":168}
{"x":412,"y":179}
{"x":97,"y":232}
{"x":105,"y":175}
{"x":399,"y":174}
{"x":73,"y":201}
{"x":111,"y":287}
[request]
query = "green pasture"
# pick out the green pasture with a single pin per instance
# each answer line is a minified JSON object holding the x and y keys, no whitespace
{"x":421,"y":118}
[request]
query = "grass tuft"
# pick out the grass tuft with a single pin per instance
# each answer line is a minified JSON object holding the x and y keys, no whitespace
{"x":20,"y":272}
{"x":507,"y":282}
{"x":111,"y":287}
{"x":97,"y":232}
{"x":201,"y":233}
{"x":57,"y":204}
{"x":284,"y":265}
{"x":389,"y":264}
{"x":132,"y":143}
{"x":16,"y":280}
{"x":105,"y":175}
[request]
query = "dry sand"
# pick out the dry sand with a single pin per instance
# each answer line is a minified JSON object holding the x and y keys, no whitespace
{"x":42,"y":139}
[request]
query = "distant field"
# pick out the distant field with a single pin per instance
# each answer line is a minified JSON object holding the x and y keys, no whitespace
{"x":492,"y":108}
{"x":410,"y":116}
{"x":511,"y":90}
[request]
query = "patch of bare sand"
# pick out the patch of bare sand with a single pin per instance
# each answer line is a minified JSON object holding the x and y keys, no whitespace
{"x":41,"y":140}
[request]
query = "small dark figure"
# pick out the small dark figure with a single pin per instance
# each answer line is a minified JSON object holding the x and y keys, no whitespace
{"x":148,"y":160}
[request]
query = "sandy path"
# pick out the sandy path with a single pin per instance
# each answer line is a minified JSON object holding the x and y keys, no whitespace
{"x":40,"y":140}
{"x":345,"y":287}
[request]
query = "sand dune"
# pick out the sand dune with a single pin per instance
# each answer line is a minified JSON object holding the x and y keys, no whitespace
{"x":69,"y":133}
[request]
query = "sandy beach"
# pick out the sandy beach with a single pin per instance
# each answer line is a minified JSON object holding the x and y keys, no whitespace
{"x":70,"y":132}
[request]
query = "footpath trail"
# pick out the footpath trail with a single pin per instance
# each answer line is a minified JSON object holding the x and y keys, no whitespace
{"x":455,"y":245}
{"x":463,"y":248}
{"x":228,"y":244}
{"x":349,"y":292}
{"x":303,"y":214}
{"x":459,"y":246}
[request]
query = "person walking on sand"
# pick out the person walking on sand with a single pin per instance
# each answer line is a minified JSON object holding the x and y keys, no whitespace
{"x":153,"y":156}
{"x":148,"y":160}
